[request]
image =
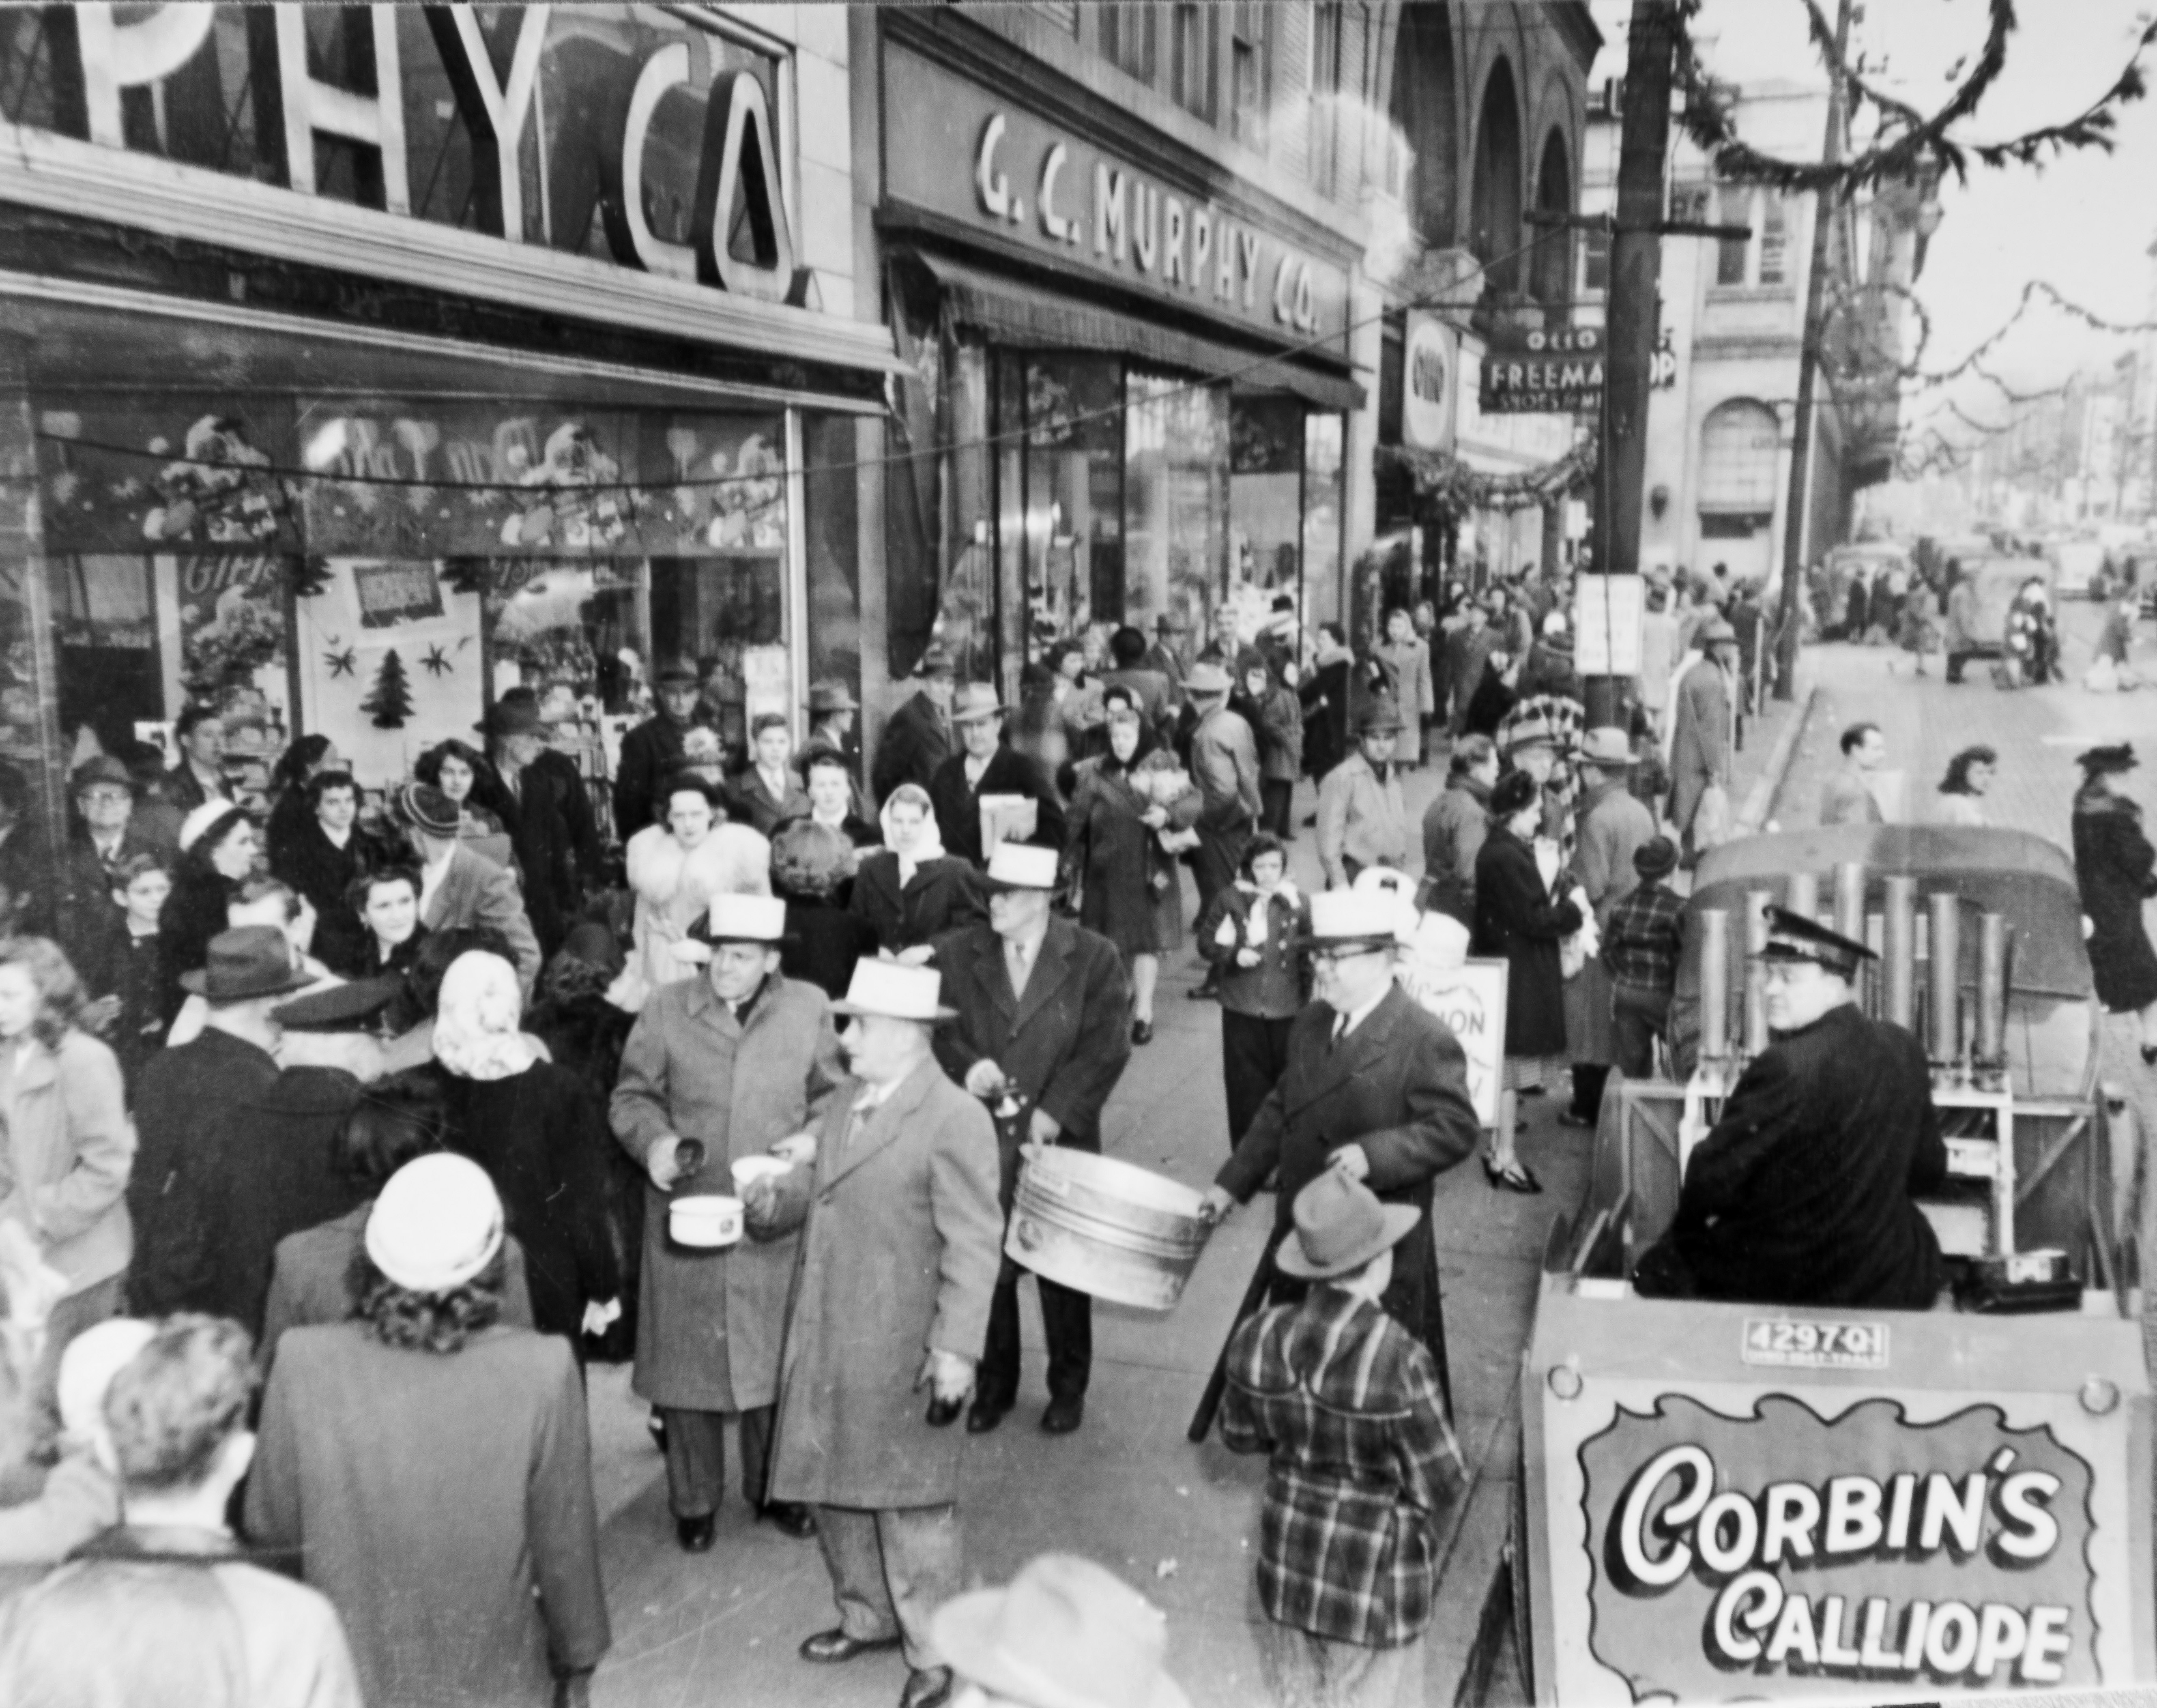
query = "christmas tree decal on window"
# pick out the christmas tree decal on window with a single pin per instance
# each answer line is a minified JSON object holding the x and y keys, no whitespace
{"x":390,"y":699}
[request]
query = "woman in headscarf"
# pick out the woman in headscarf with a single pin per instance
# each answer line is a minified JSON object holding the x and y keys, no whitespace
{"x":540,"y":1134}
{"x":677,"y":865}
{"x":2116,"y":868}
{"x":1128,"y":889}
{"x":911,"y":891}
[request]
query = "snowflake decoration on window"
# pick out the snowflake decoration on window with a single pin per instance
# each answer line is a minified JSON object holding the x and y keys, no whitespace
{"x":342,"y":661}
{"x":437,"y":662}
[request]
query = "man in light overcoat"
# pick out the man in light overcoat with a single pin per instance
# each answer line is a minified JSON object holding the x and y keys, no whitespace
{"x":735,"y":1060}
{"x":897,"y":1264}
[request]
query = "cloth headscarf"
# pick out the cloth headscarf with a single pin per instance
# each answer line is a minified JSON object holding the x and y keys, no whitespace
{"x":932,"y":838}
{"x":476,"y":1024}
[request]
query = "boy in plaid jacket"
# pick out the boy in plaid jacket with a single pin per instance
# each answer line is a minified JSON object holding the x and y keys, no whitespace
{"x":1347,"y":1401}
{"x":1641,"y":943}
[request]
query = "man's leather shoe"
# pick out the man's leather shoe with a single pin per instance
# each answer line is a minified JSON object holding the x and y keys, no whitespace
{"x":931,"y":1689}
{"x":790,"y":1518}
{"x":695,"y":1534}
{"x":981,"y":1417}
{"x":1065,"y":1412}
{"x":827,"y":1648}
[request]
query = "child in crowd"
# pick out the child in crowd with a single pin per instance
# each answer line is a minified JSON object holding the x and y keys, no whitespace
{"x":1640,"y":949}
{"x":1247,"y":935}
{"x":136,"y":997}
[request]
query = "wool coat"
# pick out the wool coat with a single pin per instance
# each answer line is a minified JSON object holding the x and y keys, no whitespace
{"x":943,"y":895}
{"x":1361,"y":818}
{"x":958,"y":802}
{"x":310,"y":1280}
{"x":443,"y":1502}
{"x":915,"y":744}
{"x":750,"y":801}
{"x":1326,"y":693}
{"x":1613,"y":827}
{"x":69,"y":1149}
{"x":317,"y":868}
{"x":1407,"y":671}
{"x":1517,"y":920}
{"x":828,"y":942}
{"x":1453,"y":827}
{"x":1700,"y":738}
{"x":709,"y":1322}
{"x":899,"y":1256}
{"x":1466,"y":651}
{"x":2114,"y":862}
{"x":557,"y":843}
{"x":84,"y":917}
{"x":1116,"y":859}
{"x":477,"y":892}
{"x":1397,"y":1086}
{"x":1801,"y":1194}
{"x":1063,"y":1043}
{"x":187,"y":1096}
{"x":542,"y":1136}
{"x":648,"y":753}
{"x":193,"y":913}
{"x":1276,"y":988}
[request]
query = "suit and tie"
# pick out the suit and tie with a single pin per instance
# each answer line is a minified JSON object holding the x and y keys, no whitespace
{"x":1062,"y":1038}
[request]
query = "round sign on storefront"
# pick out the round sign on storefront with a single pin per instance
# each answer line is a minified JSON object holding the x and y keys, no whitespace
{"x":1431,"y":368}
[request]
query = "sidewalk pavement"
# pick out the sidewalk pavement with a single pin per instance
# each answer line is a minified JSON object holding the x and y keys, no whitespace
{"x":1177,"y":1521}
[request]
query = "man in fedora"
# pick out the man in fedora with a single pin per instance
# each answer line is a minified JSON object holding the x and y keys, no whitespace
{"x":1362,"y":819}
{"x":901,"y":1239}
{"x":727,"y":1063}
{"x":1064,"y":1633}
{"x":233,"y":1154}
{"x":1165,"y":656}
{"x":1703,"y":732}
{"x":1349,"y":1407}
{"x":551,"y":829}
{"x":985,"y":765}
{"x":917,"y":739}
{"x":655,"y":746}
{"x":1374,"y":1085}
{"x":458,"y":887}
{"x":1613,"y":827}
{"x":1803,"y":1193}
{"x":1224,"y":765}
{"x":85,"y":918}
{"x":1041,"y":1032}
{"x":831,"y":710}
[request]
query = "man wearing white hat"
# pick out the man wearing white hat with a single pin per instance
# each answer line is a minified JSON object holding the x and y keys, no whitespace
{"x":732,"y":1061}
{"x":900,"y":1245}
{"x":1041,"y":1033}
{"x":1375,"y":1086}
{"x":1063,"y":1633}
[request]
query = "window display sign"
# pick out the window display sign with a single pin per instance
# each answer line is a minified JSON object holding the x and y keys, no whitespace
{"x":390,"y":594}
{"x":1558,"y":372}
{"x":1760,"y":1556}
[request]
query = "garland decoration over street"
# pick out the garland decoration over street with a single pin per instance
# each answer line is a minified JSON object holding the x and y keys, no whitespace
{"x":1459,"y":488}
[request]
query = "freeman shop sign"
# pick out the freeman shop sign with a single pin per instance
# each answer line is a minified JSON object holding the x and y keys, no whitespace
{"x":1556,"y":372}
{"x":1762,"y":1557}
{"x":965,"y":155}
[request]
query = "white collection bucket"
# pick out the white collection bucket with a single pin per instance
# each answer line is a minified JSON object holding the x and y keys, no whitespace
{"x":707,"y":1220}
{"x":1105,"y":1228}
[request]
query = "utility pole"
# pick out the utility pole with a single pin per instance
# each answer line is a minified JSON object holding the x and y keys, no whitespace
{"x":1632,"y":311}
{"x":1800,"y":503}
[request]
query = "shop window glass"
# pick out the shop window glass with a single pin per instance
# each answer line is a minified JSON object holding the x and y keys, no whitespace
{"x":1265,"y":503}
{"x":836,"y":462}
{"x":1175,"y":499}
{"x":1066,"y":522}
{"x":1736,"y":208}
{"x":1192,"y":33}
{"x":1321,"y":519}
{"x":1251,"y":66}
{"x":1595,"y":271}
{"x":1774,"y":240}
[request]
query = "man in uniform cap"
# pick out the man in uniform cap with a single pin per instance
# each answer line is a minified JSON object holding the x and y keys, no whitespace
{"x":917,"y":739}
{"x":718,"y":1068}
{"x":901,"y":1242}
{"x":1802,"y":1194}
{"x":1042,"y":1035}
{"x":655,"y":746}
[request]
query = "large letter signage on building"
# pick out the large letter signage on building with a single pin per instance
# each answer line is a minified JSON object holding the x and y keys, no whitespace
{"x":1430,"y":382}
{"x":1556,"y":373}
{"x":973,"y":157}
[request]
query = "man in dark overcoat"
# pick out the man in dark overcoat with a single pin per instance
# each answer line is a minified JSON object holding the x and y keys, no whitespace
{"x":553,"y":831}
{"x":917,"y":739}
{"x":986,"y":764}
{"x":85,"y":921}
{"x":899,"y":1259}
{"x":654,"y":748}
{"x":1041,"y":1033}
{"x":735,"y":1059}
{"x":1802,"y":1194}
{"x":1375,"y":1086}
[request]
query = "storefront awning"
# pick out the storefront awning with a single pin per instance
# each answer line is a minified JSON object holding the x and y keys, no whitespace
{"x":1011,"y":311}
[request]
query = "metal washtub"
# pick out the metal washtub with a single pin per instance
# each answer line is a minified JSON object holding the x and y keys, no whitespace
{"x":1105,"y":1228}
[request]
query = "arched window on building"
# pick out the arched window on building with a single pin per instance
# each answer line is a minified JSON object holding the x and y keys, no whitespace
{"x":1494,"y":189}
{"x":1421,"y":153}
{"x":1549,"y":271}
{"x":1739,"y":443}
